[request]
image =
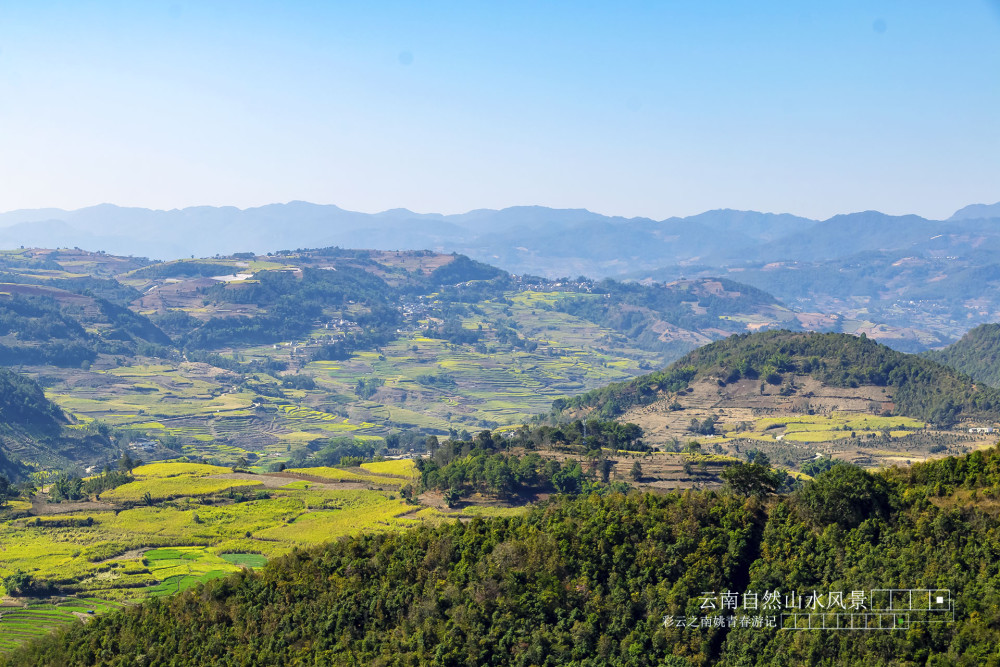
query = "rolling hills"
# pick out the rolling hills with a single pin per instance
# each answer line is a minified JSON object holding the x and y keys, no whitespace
{"x":266,"y":355}
{"x":911,"y":282}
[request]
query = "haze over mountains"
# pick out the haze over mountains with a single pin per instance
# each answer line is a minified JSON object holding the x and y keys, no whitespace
{"x":929,"y":280}
{"x":522,"y":239}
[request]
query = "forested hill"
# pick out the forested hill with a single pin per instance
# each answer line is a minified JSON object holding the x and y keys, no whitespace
{"x":601,"y":580}
{"x":27,"y":418}
{"x":977,"y":354}
{"x":921,"y":388}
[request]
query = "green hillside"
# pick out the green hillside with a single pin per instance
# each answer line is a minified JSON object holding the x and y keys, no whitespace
{"x":977,"y":354}
{"x":603,"y":580}
{"x":33,"y":429}
{"x":921,"y":388}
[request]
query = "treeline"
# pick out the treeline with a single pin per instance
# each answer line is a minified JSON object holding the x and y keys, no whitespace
{"x":68,"y":487}
{"x":184,"y":269}
{"x":978,"y":469}
{"x":617,"y":397}
{"x":595,"y":580}
{"x":504,"y":476}
{"x":270,"y":366}
{"x":574,"y":436}
{"x":334,"y":451}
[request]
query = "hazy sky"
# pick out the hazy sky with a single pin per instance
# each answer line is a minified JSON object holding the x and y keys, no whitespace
{"x":647,"y":108}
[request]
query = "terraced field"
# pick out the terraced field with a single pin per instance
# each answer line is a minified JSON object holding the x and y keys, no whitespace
{"x":22,"y":623}
{"x":825,"y":428}
{"x":205,"y":522}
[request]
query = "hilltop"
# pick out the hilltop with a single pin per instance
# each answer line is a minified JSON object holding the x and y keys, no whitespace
{"x":792,"y":394}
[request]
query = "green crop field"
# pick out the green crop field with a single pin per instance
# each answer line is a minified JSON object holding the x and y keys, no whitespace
{"x":192,"y":532}
{"x":824,"y":428}
{"x":21,"y":624}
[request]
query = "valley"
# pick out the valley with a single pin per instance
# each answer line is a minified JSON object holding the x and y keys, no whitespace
{"x":211,"y":415}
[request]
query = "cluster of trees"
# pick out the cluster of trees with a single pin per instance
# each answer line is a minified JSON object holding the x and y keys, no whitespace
{"x":453,"y":332}
{"x":69,"y":487}
{"x":576,"y":436}
{"x":343,"y":348}
{"x":978,"y":469}
{"x":298,"y":381}
{"x":507,"y":335}
{"x":332,"y":451}
{"x":756,"y":477}
{"x":366,"y":387}
{"x":107,"y":480}
{"x":706,"y":427}
{"x":500,"y":475}
{"x":235,"y":364}
{"x":66,"y":488}
{"x":6,"y":489}
{"x":25,"y":584}
{"x":481,"y":463}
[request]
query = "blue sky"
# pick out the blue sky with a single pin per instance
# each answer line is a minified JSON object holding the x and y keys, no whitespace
{"x":638,"y":109}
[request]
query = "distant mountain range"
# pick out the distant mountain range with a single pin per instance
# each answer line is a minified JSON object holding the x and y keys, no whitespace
{"x":936,"y":277}
{"x":522,"y":239}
